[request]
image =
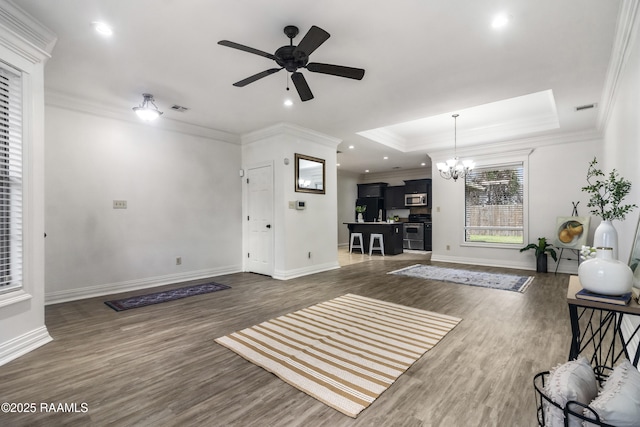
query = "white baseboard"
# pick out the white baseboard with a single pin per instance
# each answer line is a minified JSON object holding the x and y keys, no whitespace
{"x":23,"y":344}
{"x":131,"y":285}
{"x":305,"y":271}
{"x":562,"y":268}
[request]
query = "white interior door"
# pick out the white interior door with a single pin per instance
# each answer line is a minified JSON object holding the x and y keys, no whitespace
{"x":260,"y":219}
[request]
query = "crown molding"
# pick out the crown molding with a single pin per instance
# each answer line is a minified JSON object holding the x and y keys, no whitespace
{"x":289,"y":129}
{"x":627,"y":27}
{"x":81,"y":105}
{"x":522,"y":144}
{"x":24,"y":35}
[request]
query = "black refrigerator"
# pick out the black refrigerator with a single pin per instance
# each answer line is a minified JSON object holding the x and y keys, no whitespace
{"x":374,"y":206}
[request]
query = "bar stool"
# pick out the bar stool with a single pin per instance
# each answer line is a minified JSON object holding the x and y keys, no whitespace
{"x":359,"y":245}
{"x":380,"y":246}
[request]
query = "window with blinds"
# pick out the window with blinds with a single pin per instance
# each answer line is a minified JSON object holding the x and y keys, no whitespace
{"x":10,"y":180}
{"x":494,"y":204}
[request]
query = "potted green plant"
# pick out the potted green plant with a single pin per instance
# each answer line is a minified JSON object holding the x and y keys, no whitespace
{"x":541,"y":250}
{"x":605,"y":200}
{"x":360,"y":210}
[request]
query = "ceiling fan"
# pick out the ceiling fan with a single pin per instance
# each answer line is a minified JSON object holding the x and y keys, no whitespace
{"x":292,"y":58}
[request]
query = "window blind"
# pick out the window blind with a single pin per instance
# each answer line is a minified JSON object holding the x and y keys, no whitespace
{"x":10,"y":179}
{"x":494,"y":204}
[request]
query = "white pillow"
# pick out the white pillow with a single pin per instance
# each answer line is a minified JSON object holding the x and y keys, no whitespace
{"x":574,"y":380}
{"x":619,"y":401}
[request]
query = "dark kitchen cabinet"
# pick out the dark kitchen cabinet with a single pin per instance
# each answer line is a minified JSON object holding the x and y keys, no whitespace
{"x":417,"y":186}
{"x":375,"y":189}
{"x":394,"y":197}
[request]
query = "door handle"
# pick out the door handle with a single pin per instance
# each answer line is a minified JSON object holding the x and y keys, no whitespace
{"x":268,"y":225}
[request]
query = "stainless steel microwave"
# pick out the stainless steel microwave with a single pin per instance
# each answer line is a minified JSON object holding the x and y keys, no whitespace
{"x":415,"y":199}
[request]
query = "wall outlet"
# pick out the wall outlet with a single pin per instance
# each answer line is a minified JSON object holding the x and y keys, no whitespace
{"x":179,"y":260}
{"x":448,"y":247}
{"x":119,"y":204}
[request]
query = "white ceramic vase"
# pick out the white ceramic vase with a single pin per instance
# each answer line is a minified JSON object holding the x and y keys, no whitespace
{"x":360,"y":218}
{"x":606,"y":236}
{"x":605,"y":275}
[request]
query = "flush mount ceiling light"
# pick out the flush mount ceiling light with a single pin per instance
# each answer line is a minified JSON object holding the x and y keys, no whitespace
{"x":145,"y":111}
{"x":500,"y":21}
{"x":102,"y":28}
{"x":454,"y":168}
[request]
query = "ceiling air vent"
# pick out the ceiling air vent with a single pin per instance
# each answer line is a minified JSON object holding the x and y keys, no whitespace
{"x":179,"y":108}
{"x":586,"y":107}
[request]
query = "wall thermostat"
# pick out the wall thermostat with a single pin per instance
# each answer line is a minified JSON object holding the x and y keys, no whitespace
{"x":301,"y":204}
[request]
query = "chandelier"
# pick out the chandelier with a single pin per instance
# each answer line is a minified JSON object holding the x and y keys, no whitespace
{"x":145,"y":111}
{"x":454,"y":168}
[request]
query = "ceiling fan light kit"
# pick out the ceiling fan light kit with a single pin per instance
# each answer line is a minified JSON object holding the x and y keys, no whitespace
{"x":145,"y":111}
{"x":293,"y":58}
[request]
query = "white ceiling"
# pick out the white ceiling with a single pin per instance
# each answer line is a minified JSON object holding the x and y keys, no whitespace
{"x":424,"y":61}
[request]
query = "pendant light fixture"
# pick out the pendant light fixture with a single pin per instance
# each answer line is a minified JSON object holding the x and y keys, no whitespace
{"x":454,"y":168}
{"x":145,"y":111}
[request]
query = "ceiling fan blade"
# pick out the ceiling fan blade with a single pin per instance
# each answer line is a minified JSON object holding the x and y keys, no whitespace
{"x":255,"y":77}
{"x":301,"y":86}
{"x":336,"y":70}
{"x":312,"y":40}
{"x":238,"y":46}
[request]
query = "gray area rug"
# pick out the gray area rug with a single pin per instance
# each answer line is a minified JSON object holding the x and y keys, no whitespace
{"x":507,"y":282}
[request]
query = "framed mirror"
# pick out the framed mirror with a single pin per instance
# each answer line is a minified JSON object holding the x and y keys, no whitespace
{"x":310,"y":174}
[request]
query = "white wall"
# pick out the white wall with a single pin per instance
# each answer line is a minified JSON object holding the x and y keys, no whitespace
{"x":298,"y":232}
{"x":183,"y":196}
{"x":556,"y":173}
{"x":622,"y":139}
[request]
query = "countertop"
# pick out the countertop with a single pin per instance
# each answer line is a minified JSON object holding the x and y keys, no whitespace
{"x":372,"y":223}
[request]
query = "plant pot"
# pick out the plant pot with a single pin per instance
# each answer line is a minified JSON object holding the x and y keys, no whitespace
{"x":541,"y":263}
{"x":605,"y":275}
{"x":360,"y":218}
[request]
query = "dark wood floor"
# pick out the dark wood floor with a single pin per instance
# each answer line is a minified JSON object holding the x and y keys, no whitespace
{"x":159,"y":365}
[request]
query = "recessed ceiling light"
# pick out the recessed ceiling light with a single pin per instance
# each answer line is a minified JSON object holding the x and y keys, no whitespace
{"x":351,"y":147}
{"x":337,"y":164}
{"x":288,"y":103}
{"x":102,"y":28}
{"x":423,"y":164}
{"x":386,"y":157}
{"x":500,"y":21}
{"x":366,"y":171}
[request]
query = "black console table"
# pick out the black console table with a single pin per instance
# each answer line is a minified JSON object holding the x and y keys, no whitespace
{"x":596,"y":330}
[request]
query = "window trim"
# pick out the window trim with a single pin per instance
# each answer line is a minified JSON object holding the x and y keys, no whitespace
{"x":497,"y":161}
{"x":13,"y":293}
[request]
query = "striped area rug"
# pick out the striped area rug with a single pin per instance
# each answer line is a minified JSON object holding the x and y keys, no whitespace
{"x":344,"y":352}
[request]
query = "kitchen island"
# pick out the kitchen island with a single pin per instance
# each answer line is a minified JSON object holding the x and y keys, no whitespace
{"x":392,"y":233}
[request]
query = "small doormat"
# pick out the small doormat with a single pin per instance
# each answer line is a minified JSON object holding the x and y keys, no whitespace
{"x":507,"y":282}
{"x":164,"y":296}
